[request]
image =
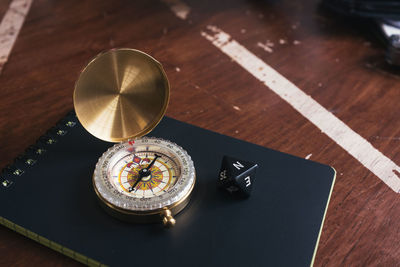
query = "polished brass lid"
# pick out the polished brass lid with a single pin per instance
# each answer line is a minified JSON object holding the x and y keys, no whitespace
{"x":121,"y":94}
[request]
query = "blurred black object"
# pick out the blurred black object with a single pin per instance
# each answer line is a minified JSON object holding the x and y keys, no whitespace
{"x":386,"y":15}
{"x":390,"y":29}
{"x":366,"y":8}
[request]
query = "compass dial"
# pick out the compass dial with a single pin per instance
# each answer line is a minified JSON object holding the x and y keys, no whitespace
{"x":144,"y":175}
{"x":162,"y":175}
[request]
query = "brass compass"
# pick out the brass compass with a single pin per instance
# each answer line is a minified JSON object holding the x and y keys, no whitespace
{"x":120,"y":96}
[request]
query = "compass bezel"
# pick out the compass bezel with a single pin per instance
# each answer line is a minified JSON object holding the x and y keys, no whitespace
{"x":121,"y":203}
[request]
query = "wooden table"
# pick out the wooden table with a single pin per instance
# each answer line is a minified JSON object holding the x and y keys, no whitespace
{"x":334,"y":60}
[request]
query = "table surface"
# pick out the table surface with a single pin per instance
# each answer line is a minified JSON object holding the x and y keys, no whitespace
{"x":338,"y":62}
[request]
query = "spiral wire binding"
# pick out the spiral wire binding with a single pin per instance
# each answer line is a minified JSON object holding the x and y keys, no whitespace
{"x":28,"y":159}
{"x":32,"y":154}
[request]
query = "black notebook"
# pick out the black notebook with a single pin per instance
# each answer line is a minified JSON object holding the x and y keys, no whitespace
{"x":47,"y":195}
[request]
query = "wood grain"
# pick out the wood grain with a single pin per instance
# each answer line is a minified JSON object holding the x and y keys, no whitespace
{"x":334,"y":59}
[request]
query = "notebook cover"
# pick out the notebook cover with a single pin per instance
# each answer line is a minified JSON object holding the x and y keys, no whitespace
{"x":53,"y":202}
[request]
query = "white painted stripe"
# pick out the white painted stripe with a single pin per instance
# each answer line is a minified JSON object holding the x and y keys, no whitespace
{"x":266,"y":47}
{"x":180,"y":9}
{"x":338,"y":131}
{"x":10,"y":27}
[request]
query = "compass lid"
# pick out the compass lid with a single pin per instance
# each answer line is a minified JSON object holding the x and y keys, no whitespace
{"x":121,"y":94}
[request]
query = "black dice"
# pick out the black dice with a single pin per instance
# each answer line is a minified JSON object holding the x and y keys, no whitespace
{"x":237,"y":176}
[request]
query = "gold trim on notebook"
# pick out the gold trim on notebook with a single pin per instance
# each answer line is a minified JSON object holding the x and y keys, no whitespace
{"x":50,"y":244}
{"x":323,"y":219}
